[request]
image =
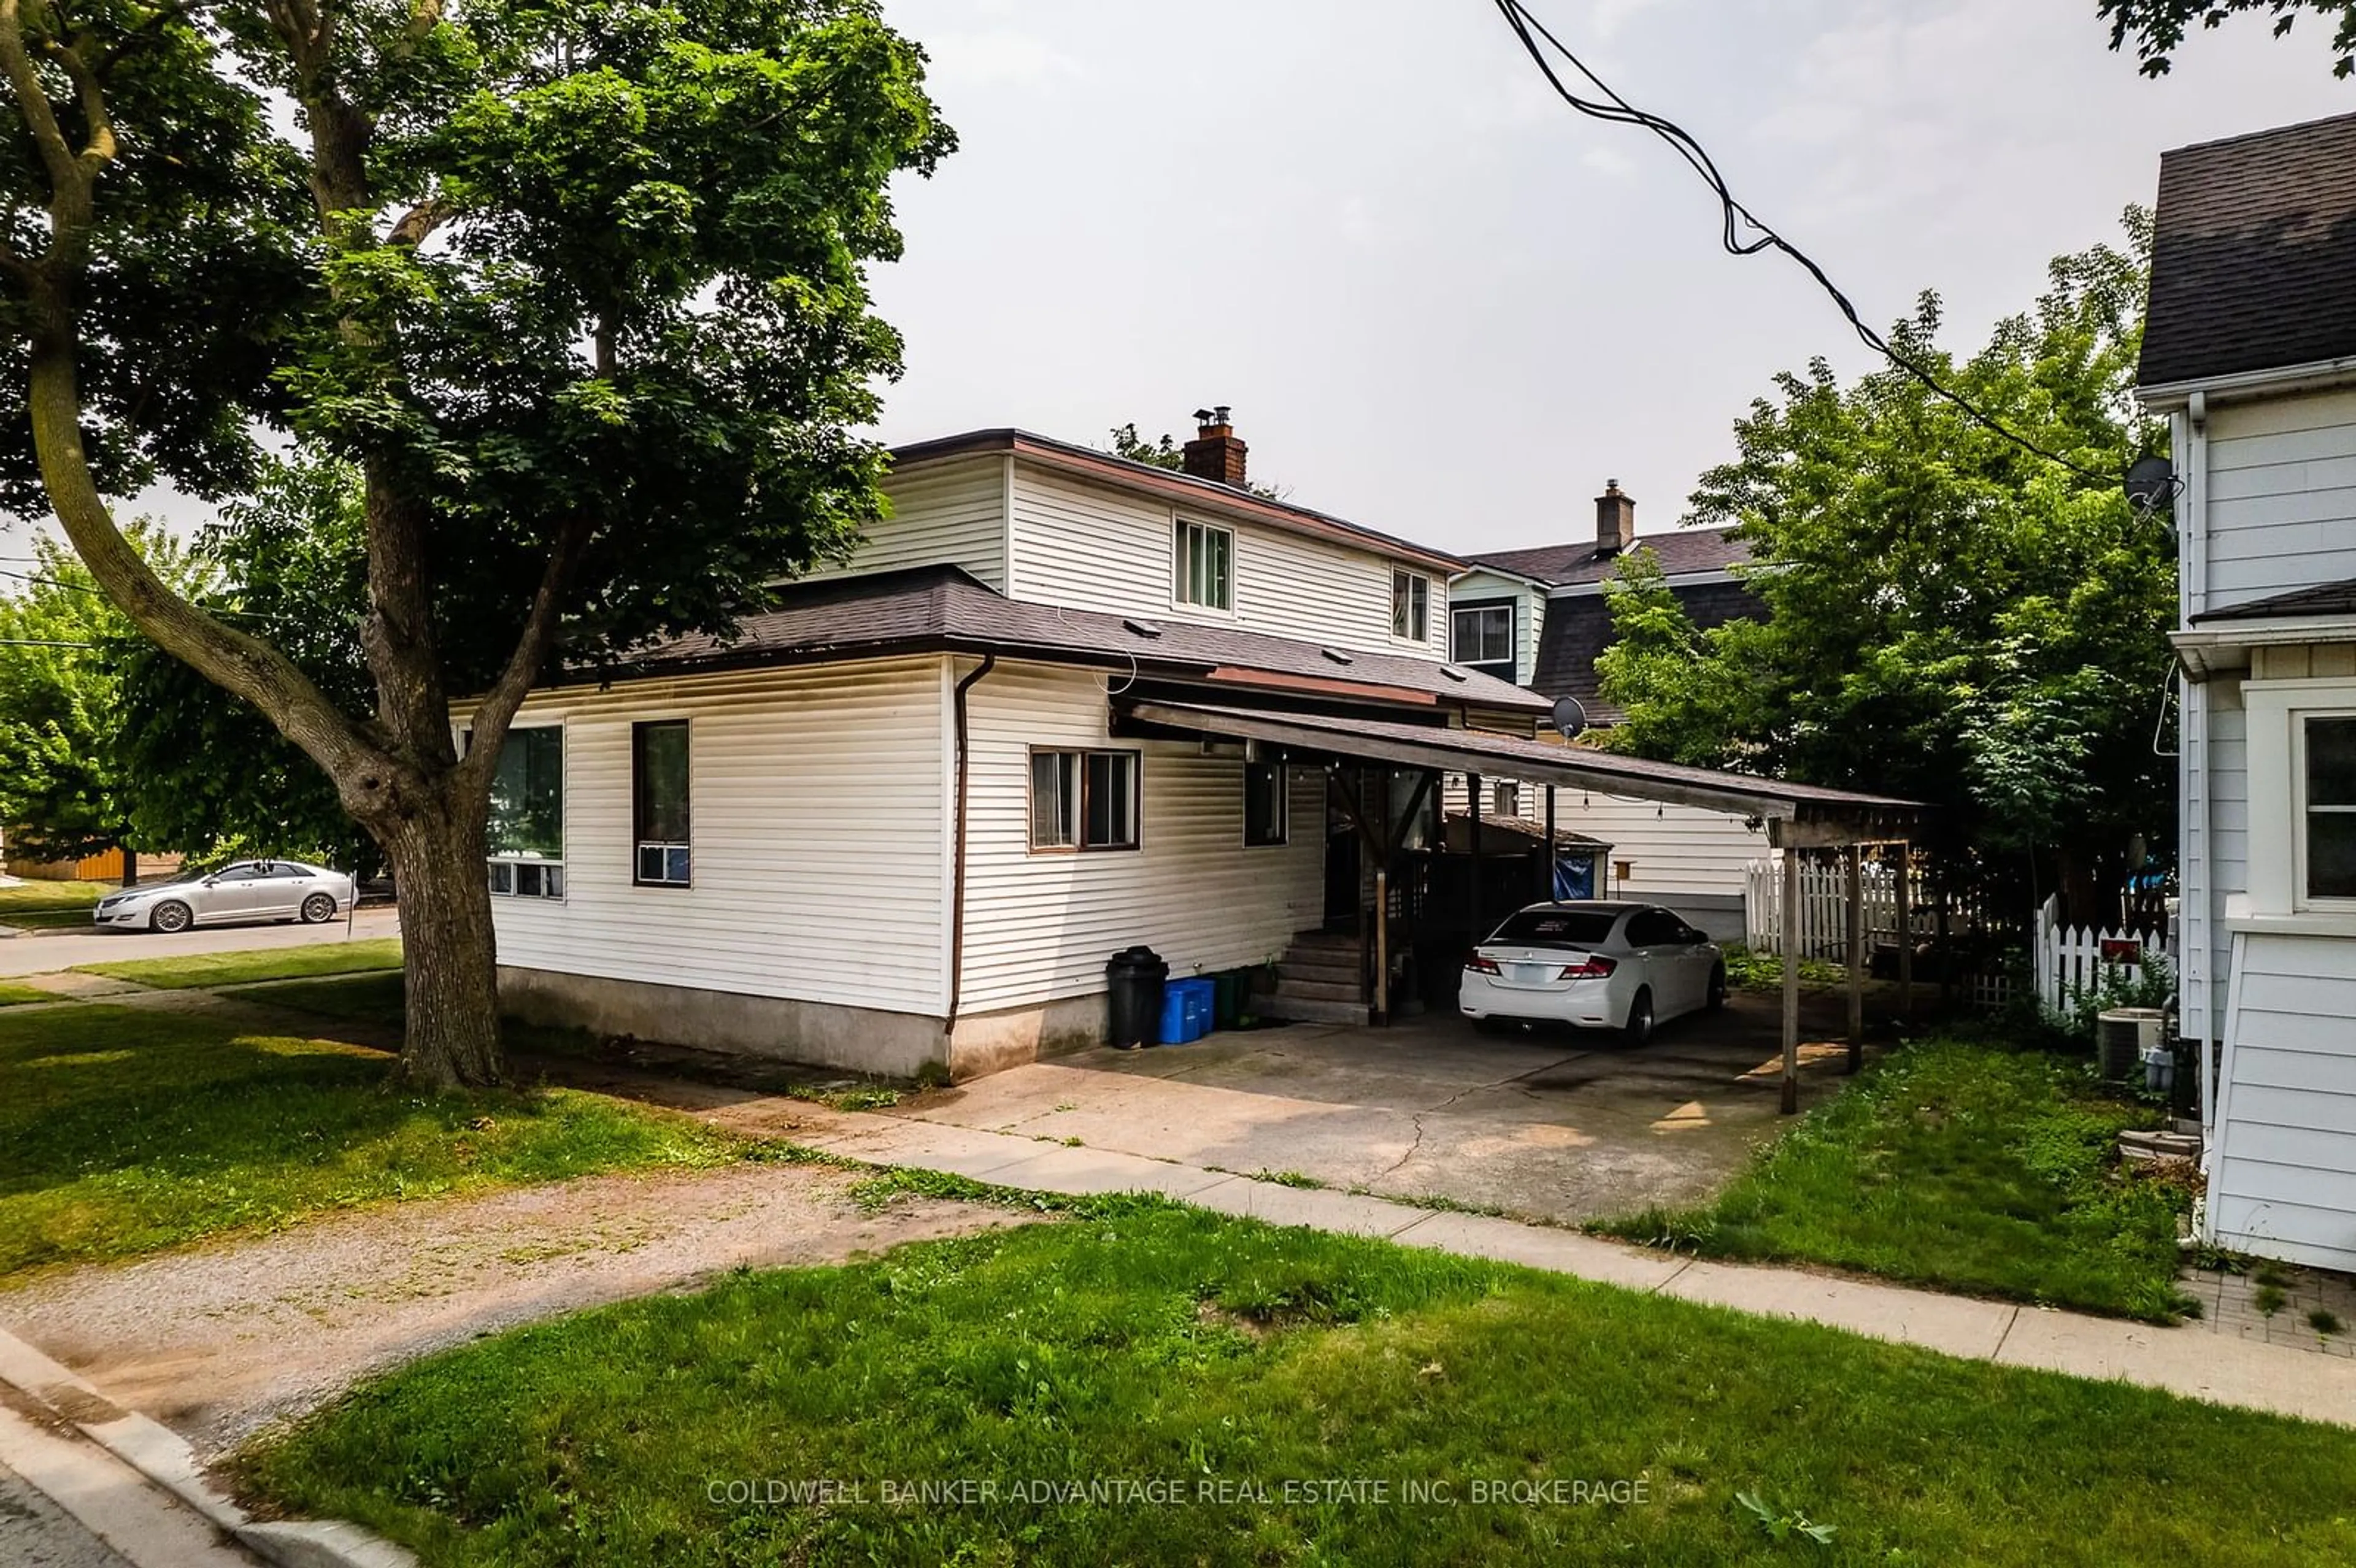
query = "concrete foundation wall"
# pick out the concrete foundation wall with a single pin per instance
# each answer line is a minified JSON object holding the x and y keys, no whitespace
{"x":821,"y":1034}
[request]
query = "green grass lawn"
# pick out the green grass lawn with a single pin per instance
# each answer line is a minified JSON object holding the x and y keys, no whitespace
{"x":1268,"y":1380}
{"x":124,"y":1131}
{"x":46,"y":919}
{"x":374,"y":998}
{"x":266,"y":964}
{"x":29,"y":895}
{"x":14,"y":996}
{"x":1960,"y":1164}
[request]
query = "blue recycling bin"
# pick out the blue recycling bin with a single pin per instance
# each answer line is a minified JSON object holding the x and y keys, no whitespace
{"x":1173,"y":1015}
{"x":1202,"y":1006}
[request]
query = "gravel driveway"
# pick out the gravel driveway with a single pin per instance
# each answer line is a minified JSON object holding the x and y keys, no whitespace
{"x":218,"y":1341}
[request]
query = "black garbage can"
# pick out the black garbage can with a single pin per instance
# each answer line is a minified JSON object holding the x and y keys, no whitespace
{"x":1136,"y":976}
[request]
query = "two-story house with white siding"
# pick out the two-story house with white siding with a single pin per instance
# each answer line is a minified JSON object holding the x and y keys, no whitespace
{"x":2250,"y":352}
{"x":1059,"y":704}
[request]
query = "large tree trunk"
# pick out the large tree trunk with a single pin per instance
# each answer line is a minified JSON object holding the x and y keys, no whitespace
{"x":449,"y":949}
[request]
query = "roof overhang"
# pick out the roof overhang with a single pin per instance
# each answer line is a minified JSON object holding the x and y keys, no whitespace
{"x":1178,"y":489}
{"x":1797,"y":815}
{"x":2313,"y":376}
{"x":2223,"y":647}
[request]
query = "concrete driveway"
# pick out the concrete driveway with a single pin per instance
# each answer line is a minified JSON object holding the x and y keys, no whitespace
{"x":1560,"y":1127}
{"x":42,"y":953}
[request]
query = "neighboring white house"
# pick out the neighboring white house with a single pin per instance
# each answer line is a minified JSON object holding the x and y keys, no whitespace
{"x":2251,"y":352}
{"x":1683,"y":855}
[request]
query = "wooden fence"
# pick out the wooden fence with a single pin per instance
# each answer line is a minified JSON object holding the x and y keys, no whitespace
{"x":2070,"y":962}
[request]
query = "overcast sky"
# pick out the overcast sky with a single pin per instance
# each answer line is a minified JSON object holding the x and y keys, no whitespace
{"x":1443,"y":304}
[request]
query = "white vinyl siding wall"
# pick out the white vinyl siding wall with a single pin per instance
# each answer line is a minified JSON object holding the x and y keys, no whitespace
{"x":820,"y":821}
{"x":1040,"y":926}
{"x":2285,"y":1182}
{"x":951,"y":513}
{"x":2282,"y":496}
{"x":1087,"y":547}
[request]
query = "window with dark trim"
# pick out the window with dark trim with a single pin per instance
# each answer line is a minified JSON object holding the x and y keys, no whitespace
{"x":1481,"y":637}
{"x":659,"y":792}
{"x":1411,"y":606}
{"x":1265,"y":807}
{"x":1084,"y":800}
{"x":2330,"y":806}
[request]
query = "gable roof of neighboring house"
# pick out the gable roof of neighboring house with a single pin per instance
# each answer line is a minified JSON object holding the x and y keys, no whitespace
{"x":2254,"y":254}
{"x":1562,"y":565}
{"x":940,"y":609}
{"x":1180,"y":489}
{"x":1579,"y":628}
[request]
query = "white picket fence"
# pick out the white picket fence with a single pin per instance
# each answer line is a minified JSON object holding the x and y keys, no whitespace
{"x":2070,"y":962}
{"x":1823,"y":908}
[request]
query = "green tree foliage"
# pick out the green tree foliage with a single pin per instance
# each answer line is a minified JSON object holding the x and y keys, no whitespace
{"x":1168,"y":454}
{"x":2157,"y":27}
{"x":577,"y":286}
{"x":65,"y":789}
{"x":214,"y":778}
{"x":1949,"y":617}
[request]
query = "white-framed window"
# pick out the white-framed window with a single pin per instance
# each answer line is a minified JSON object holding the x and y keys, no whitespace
{"x":659,"y":804}
{"x":1267,"y":805}
{"x":1505,"y":799}
{"x":1203,"y":566}
{"x":526,"y":820}
{"x":1084,"y":800}
{"x":1480,"y":635}
{"x":1411,"y":606}
{"x":2324,"y":775}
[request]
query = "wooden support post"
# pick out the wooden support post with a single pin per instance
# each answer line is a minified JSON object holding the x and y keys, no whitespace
{"x":1383,"y":904}
{"x":1906,"y":931}
{"x":1473,"y":799}
{"x":1855,"y":857}
{"x":1946,"y":953}
{"x":1791,"y":981}
{"x":1551,"y":854}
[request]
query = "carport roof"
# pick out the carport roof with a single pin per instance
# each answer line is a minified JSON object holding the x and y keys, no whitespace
{"x":1800,"y":815}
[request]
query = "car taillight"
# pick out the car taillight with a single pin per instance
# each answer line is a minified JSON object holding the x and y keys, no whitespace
{"x":1595,"y":968}
{"x":1481,"y":966}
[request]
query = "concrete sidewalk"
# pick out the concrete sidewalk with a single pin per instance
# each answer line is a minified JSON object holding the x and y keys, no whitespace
{"x":2185,"y":1361}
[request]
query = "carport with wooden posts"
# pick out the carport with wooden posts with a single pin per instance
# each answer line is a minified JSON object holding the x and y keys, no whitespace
{"x":1799,"y":818}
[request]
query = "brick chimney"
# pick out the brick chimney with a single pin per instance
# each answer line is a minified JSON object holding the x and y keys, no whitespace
{"x":1215,"y":453}
{"x":1615,"y":519}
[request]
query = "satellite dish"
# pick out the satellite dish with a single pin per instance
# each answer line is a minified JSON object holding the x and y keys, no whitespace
{"x":2151,"y":483}
{"x":1570,"y":717}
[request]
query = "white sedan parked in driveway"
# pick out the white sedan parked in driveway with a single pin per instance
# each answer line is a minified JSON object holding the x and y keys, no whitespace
{"x":1622,"y":966}
{"x":247,"y":890}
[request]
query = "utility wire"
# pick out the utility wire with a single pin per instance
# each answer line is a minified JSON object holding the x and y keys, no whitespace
{"x":1618,"y":111}
{"x":40,"y":581}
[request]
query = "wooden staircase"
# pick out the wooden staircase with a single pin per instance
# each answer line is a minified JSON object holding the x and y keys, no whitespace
{"x":1320,"y":980}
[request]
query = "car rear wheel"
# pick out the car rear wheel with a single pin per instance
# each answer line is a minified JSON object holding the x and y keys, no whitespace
{"x":1717,"y":998}
{"x":170,"y":916}
{"x":1639,"y":1027}
{"x":317,"y":908}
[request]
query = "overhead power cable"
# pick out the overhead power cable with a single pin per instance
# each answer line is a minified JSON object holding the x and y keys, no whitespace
{"x":1744,"y":234}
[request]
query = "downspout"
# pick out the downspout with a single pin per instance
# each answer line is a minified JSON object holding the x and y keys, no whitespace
{"x":2193,"y":533}
{"x":957,"y":888}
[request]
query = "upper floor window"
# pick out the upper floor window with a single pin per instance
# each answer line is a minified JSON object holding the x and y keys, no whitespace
{"x":1265,"y":805}
{"x":1505,"y":799}
{"x":1411,"y":606}
{"x":1204,"y":566}
{"x":1084,"y":800}
{"x":526,"y":821}
{"x":1480,"y":635}
{"x":659,"y":792}
{"x":2327,"y":851}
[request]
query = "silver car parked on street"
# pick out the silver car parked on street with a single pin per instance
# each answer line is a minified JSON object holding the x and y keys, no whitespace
{"x":247,"y":890}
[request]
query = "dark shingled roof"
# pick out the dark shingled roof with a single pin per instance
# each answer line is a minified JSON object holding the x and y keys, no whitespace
{"x":2253,"y":255}
{"x":1560,"y":565}
{"x":1579,"y":628}
{"x":940,"y":609}
{"x":2323,"y":599}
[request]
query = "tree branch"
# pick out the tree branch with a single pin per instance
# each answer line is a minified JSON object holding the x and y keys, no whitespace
{"x":420,"y":221}
{"x":497,"y":709}
{"x":33,"y":102}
